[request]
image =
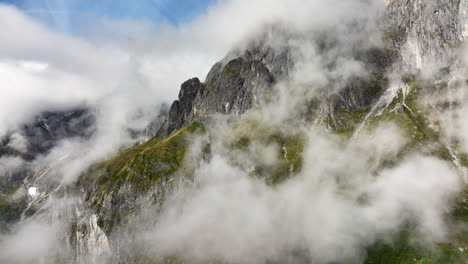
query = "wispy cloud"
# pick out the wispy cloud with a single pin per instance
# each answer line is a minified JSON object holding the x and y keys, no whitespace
{"x":47,"y":11}
{"x":336,"y":206}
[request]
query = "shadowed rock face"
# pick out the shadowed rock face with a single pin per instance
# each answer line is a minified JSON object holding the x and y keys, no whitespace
{"x":231,"y":88}
{"x":47,"y":129}
{"x":242,"y":81}
{"x":182,"y":110}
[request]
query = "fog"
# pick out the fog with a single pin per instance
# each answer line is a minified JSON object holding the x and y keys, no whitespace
{"x":342,"y":201}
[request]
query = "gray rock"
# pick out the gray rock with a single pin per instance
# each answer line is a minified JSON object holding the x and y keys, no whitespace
{"x":423,"y":34}
{"x":46,"y":130}
{"x":231,"y":88}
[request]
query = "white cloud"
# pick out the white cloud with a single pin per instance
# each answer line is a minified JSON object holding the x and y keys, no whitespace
{"x":340,"y":203}
{"x":10,"y":164}
{"x":332,"y":211}
{"x":18,"y":142}
{"x":33,"y":242}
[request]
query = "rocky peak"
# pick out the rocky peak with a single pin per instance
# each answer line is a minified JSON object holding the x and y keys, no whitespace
{"x":233,"y":87}
{"x":189,"y":90}
{"x":180,"y":110}
{"x":420,"y":35}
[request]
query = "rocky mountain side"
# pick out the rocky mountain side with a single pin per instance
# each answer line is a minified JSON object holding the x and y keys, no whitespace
{"x":235,"y":85}
{"x":22,"y":147}
{"x":119,"y":197}
{"x":45,"y":131}
{"x":230,"y":88}
{"x":425,"y":35}
{"x":417,"y":34}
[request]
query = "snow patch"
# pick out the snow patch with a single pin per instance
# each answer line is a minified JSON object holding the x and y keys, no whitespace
{"x":32,"y":191}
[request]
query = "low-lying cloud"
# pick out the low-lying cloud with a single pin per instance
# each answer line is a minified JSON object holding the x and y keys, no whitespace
{"x":341,"y":202}
{"x":335,"y":208}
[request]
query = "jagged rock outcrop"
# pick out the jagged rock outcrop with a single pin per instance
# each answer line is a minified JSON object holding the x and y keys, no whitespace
{"x":237,"y":84}
{"x":182,"y":110}
{"x":420,"y":35}
{"x":230,"y":88}
{"x":89,"y":243}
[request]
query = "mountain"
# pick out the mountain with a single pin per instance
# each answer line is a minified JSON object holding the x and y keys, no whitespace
{"x":43,"y":133}
{"x":262,"y":113}
{"x":30,"y":142}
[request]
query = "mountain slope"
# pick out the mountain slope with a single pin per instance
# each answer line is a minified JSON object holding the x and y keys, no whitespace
{"x":416,"y":35}
{"x":265,"y":144}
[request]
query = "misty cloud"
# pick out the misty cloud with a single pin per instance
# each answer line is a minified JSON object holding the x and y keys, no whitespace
{"x":10,"y":164}
{"x":331,"y":211}
{"x":342,"y":200}
{"x":33,"y":242}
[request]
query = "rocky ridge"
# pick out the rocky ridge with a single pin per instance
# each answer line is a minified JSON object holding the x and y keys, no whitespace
{"x":417,"y":34}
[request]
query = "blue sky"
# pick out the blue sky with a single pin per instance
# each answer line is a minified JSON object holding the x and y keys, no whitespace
{"x":64,"y":14}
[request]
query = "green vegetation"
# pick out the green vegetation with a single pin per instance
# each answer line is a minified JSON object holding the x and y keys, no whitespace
{"x":348,"y":120}
{"x":229,"y":70}
{"x":392,"y":32}
{"x":453,"y":252}
{"x":375,"y":85}
{"x":445,"y":70}
{"x":146,"y":166}
{"x":389,"y":33}
{"x":406,"y":112}
{"x":344,"y":121}
{"x":289,"y":147}
{"x":402,"y":253}
{"x":233,"y":66}
{"x":154,"y":162}
{"x":146,"y":163}
{"x":10,"y":209}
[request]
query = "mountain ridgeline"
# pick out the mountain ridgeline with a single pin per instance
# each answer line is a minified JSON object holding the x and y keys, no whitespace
{"x":418,"y":36}
{"x":256,"y":109}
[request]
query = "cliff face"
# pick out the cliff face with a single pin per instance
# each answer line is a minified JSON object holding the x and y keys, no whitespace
{"x":425,"y":34}
{"x":236,"y":85}
{"x":419,"y":36}
{"x":45,"y":131}
{"x":230,"y":88}
{"x":464,"y":18}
